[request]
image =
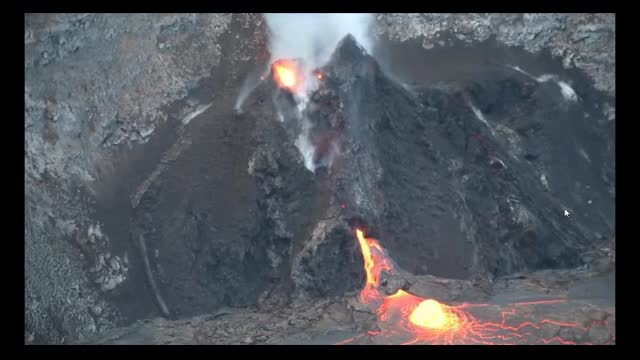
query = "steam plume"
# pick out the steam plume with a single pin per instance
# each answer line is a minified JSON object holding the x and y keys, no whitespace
{"x":312,"y":38}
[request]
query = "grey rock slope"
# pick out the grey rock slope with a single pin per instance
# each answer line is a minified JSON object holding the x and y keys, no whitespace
{"x":95,"y":86}
{"x":335,"y":319}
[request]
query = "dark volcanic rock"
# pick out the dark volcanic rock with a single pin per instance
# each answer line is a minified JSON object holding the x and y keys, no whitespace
{"x":328,"y":264}
{"x":467,"y":179}
{"x":451,"y":193}
{"x":334,"y":320}
{"x":585,"y":41}
{"x":446,"y":191}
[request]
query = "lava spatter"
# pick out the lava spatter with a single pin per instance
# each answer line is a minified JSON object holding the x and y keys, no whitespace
{"x":410,"y":319}
{"x":287,"y":74}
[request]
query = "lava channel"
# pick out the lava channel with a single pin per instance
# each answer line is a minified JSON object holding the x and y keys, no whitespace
{"x":410,"y":319}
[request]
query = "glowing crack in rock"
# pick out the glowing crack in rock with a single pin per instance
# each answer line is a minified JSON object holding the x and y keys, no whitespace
{"x":410,"y":319}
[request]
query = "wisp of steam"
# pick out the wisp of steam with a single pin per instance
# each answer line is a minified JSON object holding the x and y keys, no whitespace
{"x":312,"y":38}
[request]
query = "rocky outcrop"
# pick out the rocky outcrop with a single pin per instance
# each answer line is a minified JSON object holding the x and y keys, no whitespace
{"x":96,"y":85}
{"x":583,"y":41}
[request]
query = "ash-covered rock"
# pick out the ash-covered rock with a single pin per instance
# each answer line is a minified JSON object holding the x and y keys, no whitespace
{"x":584,"y":41}
{"x":94,"y":85}
{"x":426,"y":172}
{"x":562,"y":317}
{"x":464,"y":197}
{"x":328,"y":265}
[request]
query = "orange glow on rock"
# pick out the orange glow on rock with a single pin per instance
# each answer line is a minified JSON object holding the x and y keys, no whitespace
{"x":431,"y":314}
{"x":287,"y":74}
{"x":427,"y":321}
{"x":374,"y":263}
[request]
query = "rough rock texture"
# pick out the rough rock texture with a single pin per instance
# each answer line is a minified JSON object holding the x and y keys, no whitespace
{"x":118,"y":73}
{"x":130,"y":130}
{"x":345,"y":320}
{"x":95,"y":85}
{"x":427,"y":171}
{"x":299,"y":322}
{"x":581,"y":296}
{"x":584,"y":41}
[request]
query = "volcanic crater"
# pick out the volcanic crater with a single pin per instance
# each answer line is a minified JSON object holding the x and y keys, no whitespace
{"x":477,"y":182}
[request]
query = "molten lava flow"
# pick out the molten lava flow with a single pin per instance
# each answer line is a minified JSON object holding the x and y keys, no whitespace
{"x":431,"y":314}
{"x":375,"y":263}
{"x":429,"y":321}
{"x":287,"y":74}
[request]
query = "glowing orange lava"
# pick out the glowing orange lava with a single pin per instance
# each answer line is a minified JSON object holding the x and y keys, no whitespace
{"x":431,"y":314}
{"x":287,"y":74}
{"x":375,"y":262}
{"x":427,"y":321}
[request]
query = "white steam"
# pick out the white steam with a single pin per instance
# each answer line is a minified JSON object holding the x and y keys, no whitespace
{"x":250,"y":83}
{"x":312,"y":38}
{"x":567,"y":91}
{"x":305,"y":146}
{"x":479,"y":115}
